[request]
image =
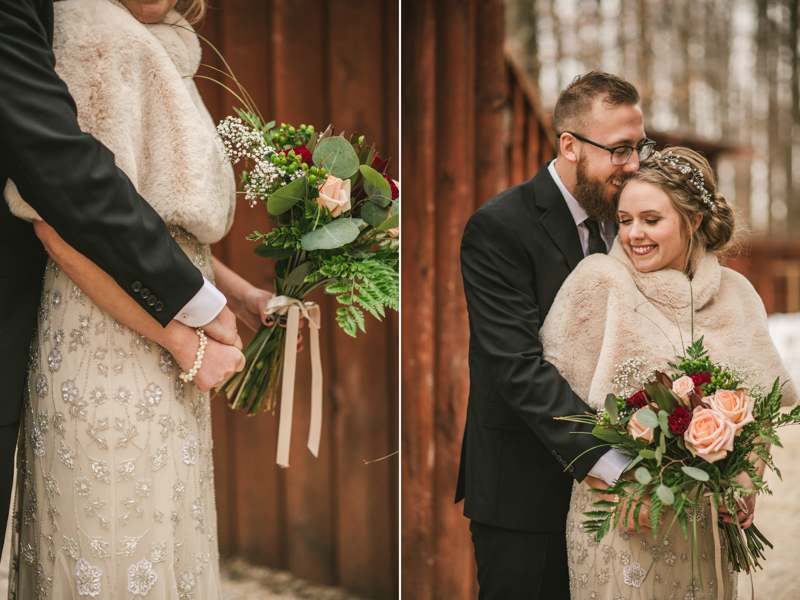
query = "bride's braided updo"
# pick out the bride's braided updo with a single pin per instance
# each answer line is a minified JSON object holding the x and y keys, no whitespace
{"x":684,"y":175}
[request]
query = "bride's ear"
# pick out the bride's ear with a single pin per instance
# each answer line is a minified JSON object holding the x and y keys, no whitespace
{"x":696,"y":219}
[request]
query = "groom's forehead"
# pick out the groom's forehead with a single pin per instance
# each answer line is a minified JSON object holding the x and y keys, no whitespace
{"x":620,"y":124}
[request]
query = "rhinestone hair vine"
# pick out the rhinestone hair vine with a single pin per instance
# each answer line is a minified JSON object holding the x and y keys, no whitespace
{"x":697,"y":179}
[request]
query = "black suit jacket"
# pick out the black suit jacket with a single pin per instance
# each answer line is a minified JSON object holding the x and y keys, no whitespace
{"x":516,"y":252}
{"x":71,"y":180}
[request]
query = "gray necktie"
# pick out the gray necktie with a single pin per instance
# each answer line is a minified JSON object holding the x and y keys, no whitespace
{"x":596,"y":243}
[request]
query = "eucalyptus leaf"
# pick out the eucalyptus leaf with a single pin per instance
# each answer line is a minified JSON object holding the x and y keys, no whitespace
{"x":272,"y":252}
{"x":647,"y":418}
{"x":337,"y":156}
{"x":612,"y":409}
{"x":286,"y":197}
{"x":298,"y":274}
{"x":390,"y":223}
{"x":658,"y":456}
{"x":665,"y":495}
{"x":647,"y":453}
{"x":695,"y":473}
{"x":375,"y":185}
{"x":643,"y":475}
{"x":374,"y":214}
{"x":663,"y":444}
{"x":335,"y":234}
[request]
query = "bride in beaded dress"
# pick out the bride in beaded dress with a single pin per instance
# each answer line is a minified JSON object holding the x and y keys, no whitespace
{"x":115,"y":480}
{"x":636,"y":303}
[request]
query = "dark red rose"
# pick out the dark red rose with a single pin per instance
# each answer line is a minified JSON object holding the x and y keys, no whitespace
{"x":395,"y":191}
{"x":639,"y":400}
{"x":679,"y":420}
{"x":700,"y":378}
{"x":302,"y":152}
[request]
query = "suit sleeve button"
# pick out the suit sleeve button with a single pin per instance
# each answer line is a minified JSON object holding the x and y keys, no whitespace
{"x":144,"y":293}
{"x":151,"y":300}
{"x":159,"y":306}
{"x":136,"y":286}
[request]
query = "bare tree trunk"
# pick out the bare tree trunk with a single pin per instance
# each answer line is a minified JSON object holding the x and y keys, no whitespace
{"x":792,"y":200}
{"x":682,"y":78}
{"x":645,"y":59}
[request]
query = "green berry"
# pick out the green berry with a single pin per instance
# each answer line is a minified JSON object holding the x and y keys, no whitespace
{"x":314,"y":170}
{"x":312,"y":179}
{"x":292,"y":130}
{"x":303,"y":127}
{"x":323,"y":172}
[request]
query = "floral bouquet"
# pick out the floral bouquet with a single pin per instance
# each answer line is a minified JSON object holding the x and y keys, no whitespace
{"x":690,"y":435}
{"x":336,"y":226}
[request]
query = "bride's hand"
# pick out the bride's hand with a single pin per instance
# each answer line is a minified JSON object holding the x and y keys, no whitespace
{"x":745,"y":519}
{"x":220,"y":361}
{"x":250,"y":308}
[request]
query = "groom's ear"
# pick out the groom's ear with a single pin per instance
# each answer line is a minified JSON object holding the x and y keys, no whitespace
{"x":567,"y":147}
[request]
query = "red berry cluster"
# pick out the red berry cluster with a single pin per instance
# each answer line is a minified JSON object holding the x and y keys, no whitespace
{"x":639,"y":400}
{"x":679,"y":420}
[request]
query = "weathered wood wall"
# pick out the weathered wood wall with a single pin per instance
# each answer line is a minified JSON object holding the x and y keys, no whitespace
{"x":471,"y":128}
{"x":332,"y":519}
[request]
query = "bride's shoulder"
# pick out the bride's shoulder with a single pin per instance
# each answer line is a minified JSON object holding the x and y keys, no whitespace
{"x":97,"y":26}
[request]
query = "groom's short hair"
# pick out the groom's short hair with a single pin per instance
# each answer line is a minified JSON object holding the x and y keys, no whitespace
{"x":575,"y":101}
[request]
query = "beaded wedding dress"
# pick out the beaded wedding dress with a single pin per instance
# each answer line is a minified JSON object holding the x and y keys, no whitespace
{"x":615,"y":568}
{"x":115,"y":476}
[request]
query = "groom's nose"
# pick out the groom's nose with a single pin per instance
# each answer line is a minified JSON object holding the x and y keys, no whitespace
{"x":633,"y":163}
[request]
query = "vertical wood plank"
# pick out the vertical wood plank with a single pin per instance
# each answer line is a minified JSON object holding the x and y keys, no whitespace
{"x":418,"y":277}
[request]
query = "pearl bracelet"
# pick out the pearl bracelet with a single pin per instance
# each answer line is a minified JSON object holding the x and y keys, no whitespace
{"x":187,"y":377}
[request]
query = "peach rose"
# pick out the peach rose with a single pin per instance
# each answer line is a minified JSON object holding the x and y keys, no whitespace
{"x":683,"y":386}
{"x":710,"y":434}
{"x":736,"y":405}
{"x":334,"y":195}
{"x":637,"y":430}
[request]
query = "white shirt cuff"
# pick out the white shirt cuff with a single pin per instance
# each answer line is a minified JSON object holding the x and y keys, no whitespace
{"x":204,"y":307}
{"x":610,"y":466}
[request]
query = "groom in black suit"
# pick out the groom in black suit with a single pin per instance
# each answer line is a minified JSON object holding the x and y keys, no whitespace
{"x":517,"y":462}
{"x":71,"y":180}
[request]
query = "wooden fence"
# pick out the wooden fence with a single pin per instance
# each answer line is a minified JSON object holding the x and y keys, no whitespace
{"x":332,"y":519}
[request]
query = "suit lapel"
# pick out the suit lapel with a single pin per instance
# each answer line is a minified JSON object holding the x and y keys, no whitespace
{"x":556,"y":218}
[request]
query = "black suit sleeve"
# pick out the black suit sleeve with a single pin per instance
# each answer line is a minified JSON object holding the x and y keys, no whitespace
{"x":70,"y":178}
{"x":504,"y":322}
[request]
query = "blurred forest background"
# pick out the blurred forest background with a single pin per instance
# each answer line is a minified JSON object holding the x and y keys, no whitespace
{"x":719,"y":70}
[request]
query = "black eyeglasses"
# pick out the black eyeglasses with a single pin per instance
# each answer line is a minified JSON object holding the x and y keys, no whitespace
{"x":620,"y":154}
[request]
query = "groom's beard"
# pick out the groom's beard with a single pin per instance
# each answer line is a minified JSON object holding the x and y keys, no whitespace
{"x":590,"y":194}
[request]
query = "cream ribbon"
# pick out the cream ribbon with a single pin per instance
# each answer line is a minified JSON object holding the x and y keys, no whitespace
{"x":292,"y":308}
{"x":718,"y":546}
